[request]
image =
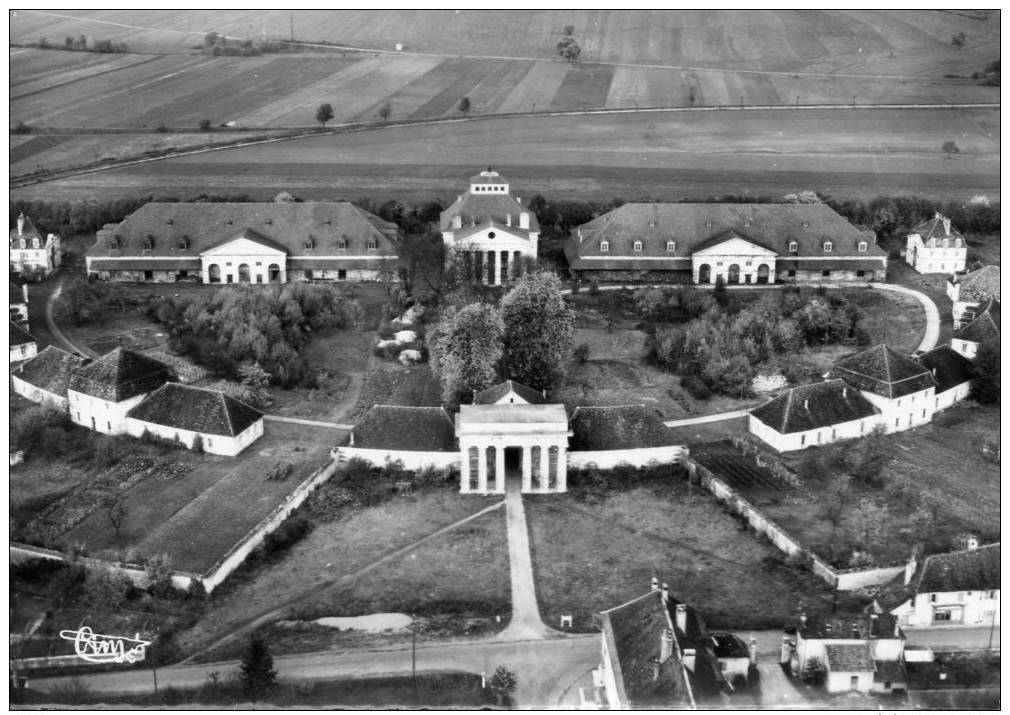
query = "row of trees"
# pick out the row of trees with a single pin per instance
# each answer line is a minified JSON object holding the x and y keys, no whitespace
{"x":526,"y":336}
{"x":80,"y":44}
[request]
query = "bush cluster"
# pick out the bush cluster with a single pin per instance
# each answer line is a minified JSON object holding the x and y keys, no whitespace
{"x":286,"y":535}
{"x":593,"y":483}
{"x":360,"y":484}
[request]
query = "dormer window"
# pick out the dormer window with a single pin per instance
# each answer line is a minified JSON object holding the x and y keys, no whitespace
{"x":268,"y":221}
{"x":946,"y":243}
{"x":309,"y":243}
{"x":35,"y":242}
{"x":957,"y":243}
{"x":746,"y":223}
{"x":170,"y":222}
{"x":652,"y":223}
{"x":183,"y":242}
{"x":149,"y":242}
{"x":794,"y":247}
{"x":115,"y":241}
{"x":671,"y":246}
{"x":828,"y":246}
{"x":862,"y":247}
{"x":342,"y":245}
{"x":708,"y":224}
{"x":228,"y":221}
{"x":604,"y":246}
{"x":638,"y":247}
{"x":373,"y":245}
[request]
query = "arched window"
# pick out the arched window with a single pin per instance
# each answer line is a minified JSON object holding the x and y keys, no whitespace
{"x":957,"y":243}
{"x":638,"y":247}
{"x":828,"y":246}
{"x":214,"y":273}
{"x":862,"y":247}
{"x":793,"y":246}
{"x":671,"y":246}
{"x":604,"y":246}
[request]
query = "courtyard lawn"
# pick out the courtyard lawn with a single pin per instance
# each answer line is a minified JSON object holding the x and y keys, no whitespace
{"x":589,"y":557}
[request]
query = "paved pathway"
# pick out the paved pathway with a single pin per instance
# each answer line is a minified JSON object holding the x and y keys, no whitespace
{"x":526,"y":623}
{"x":932,"y":334}
{"x":311,"y":423}
{"x":55,"y":329}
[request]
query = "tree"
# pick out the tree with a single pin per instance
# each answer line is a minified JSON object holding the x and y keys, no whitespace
{"x":958,"y":40}
{"x":867,"y":523}
{"x":569,"y":30}
{"x":538,"y":330}
{"x":815,"y":673}
{"x":210,"y":39}
{"x":985,"y":383}
{"x":465,"y":348}
{"x":257,"y":669}
{"x":950,"y":148}
{"x":324,"y":113}
{"x":284,"y":197}
{"x":569,"y":49}
{"x":386,"y":110}
{"x":197,"y":445}
{"x":116,"y":511}
{"x":581,"y":353}
{"x":464,"y":105}
{"x":502,"y":683}
{"x":257,"y":380}
{"x":205,"y":125}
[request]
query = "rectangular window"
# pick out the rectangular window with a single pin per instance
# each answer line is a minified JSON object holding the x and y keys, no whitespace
{"x":258,"y":263}
{"x":791,"y":274}
{"x":604,"y":246}
{"x":924,"y":414}
{"x":803,"y":439}
{"x":109,"y":426}
{"x":637,"y":247}
{"x":860,"y":274}
{"x":227,"y":263}
{"x":826,"y":274}
{"x":148,"y":275}
{"x":341,"y":274}
{"x":671,"y":246}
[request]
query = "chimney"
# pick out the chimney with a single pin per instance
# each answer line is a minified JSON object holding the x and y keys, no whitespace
{"x":665,"y":646}
{"x":352,"y":438}
{"x":897,"y":629}
{"x":934,"y":372}
{"x":682,"y":617}
{"x":475,"y":396}
{"x":508,"y":219}
{"x":543,"y":393}
{"x":21,"y":224}
{"x":803,"y":619}
{"x":910,"y":568}
{"x":972,"y":542}
{"x":752,"y":650}
{"x":806,"y":404}
{"x":524,"y":220}
{"x":689,"y":654}
{"x":655,"y":583}
{"x":457,"y":221}
{"x":24,"y":290}
{"x":665,"y":591}
{"x":874,"y":623}
{"x":845,"y":391}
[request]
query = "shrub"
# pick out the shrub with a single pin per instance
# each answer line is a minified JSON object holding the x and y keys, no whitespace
{"x":594,"y":287}
{"x":286,"y":535}
{"x":205,"y":125}
{"x":21,"y":128}
{"x":696,"y":387}
{"x":581,"y":353}
{"x":161,"y":129}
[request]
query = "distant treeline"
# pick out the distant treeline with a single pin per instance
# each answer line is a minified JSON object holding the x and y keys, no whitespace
{"x":215,"y":44}
{"x":78,"y":44}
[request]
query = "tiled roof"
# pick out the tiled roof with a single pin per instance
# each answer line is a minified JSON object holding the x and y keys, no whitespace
{"x":185,"y":230}
{"x":979,"y":285}
{"x":119,"y":375}
{"x":984,"y":327}
{"x":820,"y":404}
{"x":820,"y":627}
{"x":101,"y":263}
{"x":17,"y":293}
{"x":882,"y":371}
{"x":728,"y":235}
{"x":971,"y":570}
{"x":425,"y":429}
{"x":934,"y":228}
{"x":197,"y":409}
{"x":774,"y":226}
{"x":889,"y":671}
{"x":826,"y":264}
{"x":249,"y":234}
{"x":604,"y":262}
{"x":849,"y":658}
{"x":727,"y":645}
{"x":479,"y":208}
{"x":492,"y":394}
{"x":948,"y":367}
{"x":50,"y":370}
{"x":20,"y":336}
{"x":488,"y":176}
{"x":618,"y":427}
{"x":28,"y":231}
{"x":322,"y":263}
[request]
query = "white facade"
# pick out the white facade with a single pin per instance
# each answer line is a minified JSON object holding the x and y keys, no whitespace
{"x":793,"y":441}
{"x":950,"y":608}
{"x":639,"y":457}
{"x":936,"y":255}
{"x":947,"y":398}
{"x":29,"y":250}
{"x":225,"y":446}
{"x":37,"y":394}
{"x":243,"y":261}
{"x":845,"y":682}
{"x":24,"y":351}
{"x":411,"y":459}
{"x":905,"y":412}
{"x":736,"y":261}
{"x":98,"y":414}
{"x":965,"y":347}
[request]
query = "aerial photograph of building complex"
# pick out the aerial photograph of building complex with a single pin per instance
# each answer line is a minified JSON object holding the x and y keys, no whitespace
{"x":504,"y":359}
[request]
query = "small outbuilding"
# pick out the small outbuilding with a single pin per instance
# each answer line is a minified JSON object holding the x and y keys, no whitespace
{"x":44,"y":378}
{"x":984,"y":328}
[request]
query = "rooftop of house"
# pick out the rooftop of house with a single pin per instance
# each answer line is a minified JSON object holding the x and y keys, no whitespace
{"x":882,"y":371}
{"x":492,"y":394}
{"x":889,"y":671}
{"x":948,"y":367}
{"x":692,"y":226}
{"x":181,"y":230}
{"x":727,"y":645}
{"x":985,"y":326}
{"x":17,"y":293}
{"x":476,"y":210}
{"x":937,"y":227}
{"x":488,"y":176}
{"x":864,"y":627}
{"x":819,"y":404}
{"x":970,"y":570}
{"x":20,"y":336}
{"x":196,"y":409}
{"x":50,"y":370}
{"x":979,"y":284}
{"x":516,"y":413}
{"x":119,"y":375}
{"x":27,"y":230}
{"x":618,"y":427}
{"x":849,"y":657}
{"x":392,"y":427}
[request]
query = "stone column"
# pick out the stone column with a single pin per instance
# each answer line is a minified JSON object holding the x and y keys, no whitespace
{"x":545,"y":464}
{"x":499,"y":468}
{"x":527,"y":469}
{"x":464,"y":468}
{"x":562,"y":468}
{"x":482,"y":469}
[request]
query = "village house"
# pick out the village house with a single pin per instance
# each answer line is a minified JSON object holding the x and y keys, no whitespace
{"x":101,"y":393}
{"x":257,"y":243}
{"x":199,"y":418}
{"x":970,"y":290}
{"x":417,"y":437}
{"x":490,"y":230}
{"x":985,"y":327}
{"x":22,"y":345}
{"x":31,"y":250}
{"x":935,"y":247}
{"x":961,"y":588}
{"x":19,"y":303}
{"x":738,"y":243}
{"x":45,"y":378}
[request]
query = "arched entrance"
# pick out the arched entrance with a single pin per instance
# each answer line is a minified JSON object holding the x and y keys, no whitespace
{"x":274,"y":272}
{"x":762,"y":276}
{"x":243,"y":273}
{"x":214,"y":273}
{"x":705,"y":273}
{"x":733,"y":274}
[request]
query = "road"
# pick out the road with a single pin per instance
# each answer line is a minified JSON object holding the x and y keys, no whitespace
{"x":55,"y":329}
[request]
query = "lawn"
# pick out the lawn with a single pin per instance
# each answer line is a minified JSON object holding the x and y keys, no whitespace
{"x":589,"y":557}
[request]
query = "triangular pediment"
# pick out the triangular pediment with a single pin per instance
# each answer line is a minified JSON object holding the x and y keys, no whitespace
{"x":732,"y":244}
{"x":246,"y":243}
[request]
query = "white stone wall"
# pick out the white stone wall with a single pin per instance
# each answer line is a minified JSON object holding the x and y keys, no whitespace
{"x":904,"y":412}
{"x":955,"y":394}
{"x":35,"y":394}
{"x":976,"y":608}
{"x":98,"y":414}
{"x":25,"y":351}
{"x":811,"y":438}
{"x":410,"y":459}
{"x":965,"y":347}
{"x":842,"y":682}
{"x":212,"y":443}
{"x":644,"y":457}
{"x":938,"y":259}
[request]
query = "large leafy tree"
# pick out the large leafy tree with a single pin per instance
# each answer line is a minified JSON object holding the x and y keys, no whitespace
{"x":465,"y":348}
{"x":324,"y":113}
{"x":538,"y":330}
{"x":257,"y":669}
{"x":985,"y":382}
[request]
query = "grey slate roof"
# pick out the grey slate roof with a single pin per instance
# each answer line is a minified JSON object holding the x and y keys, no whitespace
{"x":119,"y":375}
{"x":28,"y":232}
{"x":492,"y":394}
{"x":20,"y":336}
{"x":849,"y":658}
{"x":978,"y":285}
{"x":882,"y":371}
{"x":392,"y":427}
{"x":934,"y":228}
{"x":618,"y":427}
{"x":286,"y":226}
{"x":17,"y":293}
{"x":948,"y":367}
{"x":197,"y":409}
{"x":820,"y":404}
{"x":479,"y":209}
{"x":971,"y":570}
{"x":890,"y":671}
{"x":984,"y":327}
{"x":50,"y":370}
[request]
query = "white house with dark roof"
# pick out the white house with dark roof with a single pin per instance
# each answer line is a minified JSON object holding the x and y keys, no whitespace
{"x":952,"y":373}
{"x":417,"y":437}
{"x":101,"y":393}
{"x":968,"y":291}
{"x":960,"y":588}
{"x":19,"y":303}
{"x":22,"y":344}
{"x":32,"y":248}
{"x":44,"y":379}
{"x":490,"y":229}
{"x":811,"y":415}
{"x":219,"y":423}
{"x":900,"y":387}
{"x":255,"y":243}
{"x":985,"y":327}
{"x":739,"y":243}
{"x":934,"y":246}
{"x":606,"y":436}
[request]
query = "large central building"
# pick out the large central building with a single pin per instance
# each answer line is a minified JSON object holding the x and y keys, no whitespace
{"x":490,"y":230}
